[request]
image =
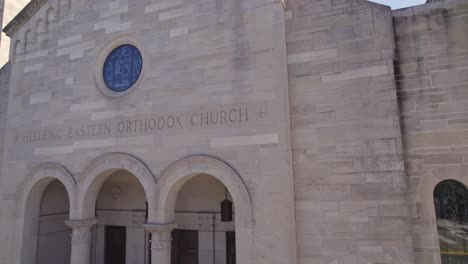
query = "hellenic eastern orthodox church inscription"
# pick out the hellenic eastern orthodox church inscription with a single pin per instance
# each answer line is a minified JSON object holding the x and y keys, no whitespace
{"x":140,"y":125}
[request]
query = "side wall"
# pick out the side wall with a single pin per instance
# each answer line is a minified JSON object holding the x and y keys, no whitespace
{"x":4,"y":85}
{"x":4,"y":88}
{"x":351,"y":206}
{"x":432,"y":78}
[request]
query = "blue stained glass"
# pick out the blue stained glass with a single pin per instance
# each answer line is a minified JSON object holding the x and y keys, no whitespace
{"x":122,"y":68}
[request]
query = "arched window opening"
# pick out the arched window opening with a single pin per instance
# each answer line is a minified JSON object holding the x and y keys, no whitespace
{"x":451,"y":206}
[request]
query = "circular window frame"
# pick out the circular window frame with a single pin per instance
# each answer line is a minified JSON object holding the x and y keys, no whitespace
{"x":102,"y":57}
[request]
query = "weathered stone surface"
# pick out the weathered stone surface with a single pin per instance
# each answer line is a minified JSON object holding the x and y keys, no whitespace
{"x":432,"y":85}
{"x":214,"y":83}
{"x":346,"y":134}
{"x":330,"y":121}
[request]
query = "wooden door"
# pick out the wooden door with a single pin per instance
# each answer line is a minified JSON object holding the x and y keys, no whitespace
{"x":230,"y":247}
{"x":115,"y":244}
{"x":184,"y":247}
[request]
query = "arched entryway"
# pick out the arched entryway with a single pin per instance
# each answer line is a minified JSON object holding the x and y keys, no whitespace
{"x":183,"y":201}
{"x":47,"y":198}
{"x":53,"y":241}
{"x":202,"y":236}
{"x":121,"y":216}
{"x":112,"y":202}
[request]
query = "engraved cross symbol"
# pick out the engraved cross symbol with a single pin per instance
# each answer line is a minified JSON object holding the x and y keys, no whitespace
{"x":260,"y":113}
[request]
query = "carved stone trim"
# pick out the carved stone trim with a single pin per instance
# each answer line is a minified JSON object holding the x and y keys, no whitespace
{"x":160,"y":236}
{"x":151,"y":227}
{"x":23,"y":16}
{"x":81,"y":232}
{"x":81,"y":223}
{"x":107,"y":163}
{"x":161,"y":241}
{"x":122,"y":39}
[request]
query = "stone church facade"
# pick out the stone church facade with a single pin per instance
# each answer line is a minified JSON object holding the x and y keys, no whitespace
{"x":338,"y":129}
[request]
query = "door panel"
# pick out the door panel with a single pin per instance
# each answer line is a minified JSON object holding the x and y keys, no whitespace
{"x":184,"y":247}
{"x":116,"y":239}
{"x":230,"y":247}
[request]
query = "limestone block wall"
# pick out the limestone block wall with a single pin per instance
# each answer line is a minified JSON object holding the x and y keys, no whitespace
{"x":350,"y":188}
{"x":4,"y":89}
{"x":432,"y":79}
{"x":202,"y":59}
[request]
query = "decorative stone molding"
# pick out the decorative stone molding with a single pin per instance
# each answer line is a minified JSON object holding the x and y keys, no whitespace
{"x":48,"y":171}
{"x":161,"y":241}
{"x":160,"y":236}
{"x":173,"y":178}
{"x":81,"y":230}
{"x":151,"y":228}
{"x":98,"y":171}
{"x":29,"y":197}
{"x":119,"y":160}
{"x":23,"y":16}
{"x":48,"y":167}
{"x":104,"y":53}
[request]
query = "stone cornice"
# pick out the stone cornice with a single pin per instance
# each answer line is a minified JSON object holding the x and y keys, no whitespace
{"x":159,"y":228}
{"x":30,"y":9}
{"x":23,"y":16}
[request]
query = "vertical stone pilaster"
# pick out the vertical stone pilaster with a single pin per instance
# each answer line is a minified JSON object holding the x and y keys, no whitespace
{"x":160,"y":242}
{"x":81,"y":240}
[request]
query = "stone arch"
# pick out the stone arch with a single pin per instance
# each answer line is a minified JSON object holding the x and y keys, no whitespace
{"x":40,"y":27}
{"x":97,"y":173}
{"x":40,"y":33}
{"x":50,"y":15}
{"x":17,"y":50}
{"x":63,"y":7}
{"x":29,"y":200}
{"x":428,"y":183}
{"x":173,"y":179}
{"x":28,"y":40}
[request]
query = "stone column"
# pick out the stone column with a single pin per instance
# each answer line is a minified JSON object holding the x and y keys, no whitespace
{"x":160,"y":242}
{"x":81,"y":240}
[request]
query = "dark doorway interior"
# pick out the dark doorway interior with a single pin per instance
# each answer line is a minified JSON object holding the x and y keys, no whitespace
{"x":116,"y":237}
{"x":184,"y":247}
{"x":230,"y":247}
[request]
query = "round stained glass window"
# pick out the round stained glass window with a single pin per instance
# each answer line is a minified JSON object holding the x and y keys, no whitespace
{"x":122,"y":68}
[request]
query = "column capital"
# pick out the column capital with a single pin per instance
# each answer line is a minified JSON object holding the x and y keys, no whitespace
{"x":160,"y":236}
{"x":81,"y":233}
{"x":160,"y":228}
{"x":81,"y":223}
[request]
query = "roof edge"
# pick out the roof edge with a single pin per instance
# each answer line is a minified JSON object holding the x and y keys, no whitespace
{"x":23,"y":16}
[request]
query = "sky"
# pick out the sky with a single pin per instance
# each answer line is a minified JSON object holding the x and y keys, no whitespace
{"x":395,"y":4}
